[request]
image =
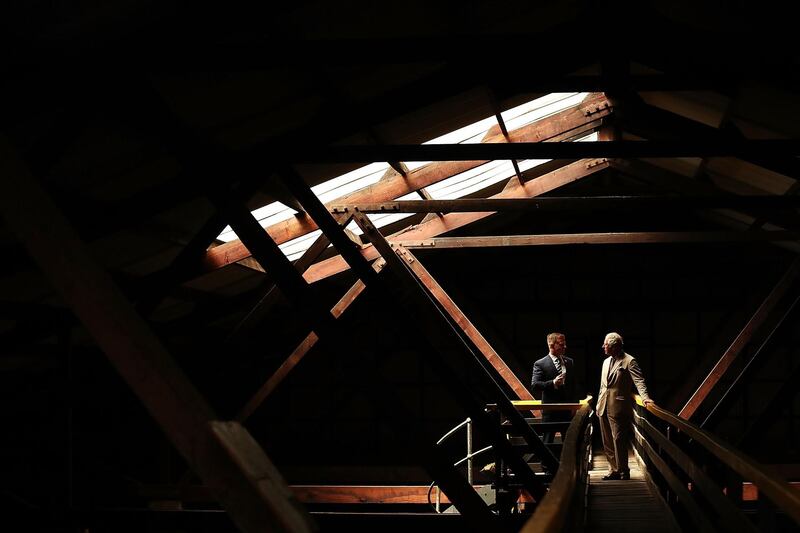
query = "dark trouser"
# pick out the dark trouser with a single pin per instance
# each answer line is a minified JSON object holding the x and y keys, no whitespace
{"x":616,"y":440}
{"x":556,"y":416}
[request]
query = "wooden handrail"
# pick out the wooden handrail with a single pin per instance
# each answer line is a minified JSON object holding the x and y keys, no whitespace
{"x":776,"y":490}
{"x":551,"y":513}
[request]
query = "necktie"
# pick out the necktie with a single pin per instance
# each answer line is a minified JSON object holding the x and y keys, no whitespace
{"x":557,"y":362}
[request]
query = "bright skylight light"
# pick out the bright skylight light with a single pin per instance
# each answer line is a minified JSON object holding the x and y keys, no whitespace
{"x":456,"y":186}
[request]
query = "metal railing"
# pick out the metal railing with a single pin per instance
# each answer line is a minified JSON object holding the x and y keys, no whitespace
{"x":468,"y":457}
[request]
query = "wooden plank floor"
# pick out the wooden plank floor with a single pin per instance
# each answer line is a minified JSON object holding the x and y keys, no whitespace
{"x":625,"y":506}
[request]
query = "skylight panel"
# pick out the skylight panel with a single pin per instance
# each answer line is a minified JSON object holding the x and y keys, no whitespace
{"x":294,"y":248}
{"x":266,"y":216}
{"x":514,"y":118}
{"x":440,"y":190}
{"x":349,"y":182}
{"x":540,"y":108}
{"x":457,"y":186}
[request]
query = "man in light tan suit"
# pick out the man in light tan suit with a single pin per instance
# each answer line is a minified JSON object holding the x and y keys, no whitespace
{"x":620,"y":378}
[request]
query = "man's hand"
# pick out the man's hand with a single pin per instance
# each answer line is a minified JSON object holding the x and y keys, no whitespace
{"x":558,"y":381}
{"x":648,"y":403}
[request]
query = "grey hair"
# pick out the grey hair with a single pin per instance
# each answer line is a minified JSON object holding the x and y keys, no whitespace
{"x":614,"y":339}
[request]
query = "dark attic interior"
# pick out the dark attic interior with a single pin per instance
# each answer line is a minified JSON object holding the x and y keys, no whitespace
{"x":289,"y":267}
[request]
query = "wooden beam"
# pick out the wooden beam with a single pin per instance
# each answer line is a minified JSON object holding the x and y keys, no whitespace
{"x":651,"y":122}
{"x":366,"y":494}
{"x":561,"y":204}
{"x":375,"y":494}
{"x":272,"y":259}
{"x":667,"y":180}
{"x":775,"y":407}
{"x":444,"y":243}
{"x":302,"y":349}
{"x":271,"y":295}
{"x":438,"y":464}
{"x":438,"y":226}
{"x":731,"y":394}
{"x":461,"y":320}
{"x":741,"y":340}
{"x":749,"y":149}
{"x":154,"y":287}
{"x":554,"y":128}
{"x":450,"y":355}
{"x":236,"y":468}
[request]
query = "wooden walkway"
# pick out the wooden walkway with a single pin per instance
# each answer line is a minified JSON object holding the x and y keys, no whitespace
{"x":625,"y":506}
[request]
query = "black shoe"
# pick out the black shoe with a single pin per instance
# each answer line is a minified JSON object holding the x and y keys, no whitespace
{"x":625,"y":475}
{"x":614,"y":475}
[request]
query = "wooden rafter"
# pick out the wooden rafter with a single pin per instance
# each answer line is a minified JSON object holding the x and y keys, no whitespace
{"x":450,"y":222}
{"x":562,"y":204}
{"x":741,"y":340}
{"x":651,"y":122}
{"x":301,"y":350}
{"x":500,"y":241}
{"x":461,"y":320}
{"x":670,"y":181}
{"x":223,"y":454}
{"x":557,"y":127}
{"x":271,"y":295}
{"x":438,"y":465}
{"x":441,"y":336}
{"x":750,"y":149}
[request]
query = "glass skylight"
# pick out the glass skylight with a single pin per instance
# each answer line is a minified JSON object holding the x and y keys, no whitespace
{"x":456,"y":186}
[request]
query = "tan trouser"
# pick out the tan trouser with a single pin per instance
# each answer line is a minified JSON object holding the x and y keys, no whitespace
{"x":616,"y":434}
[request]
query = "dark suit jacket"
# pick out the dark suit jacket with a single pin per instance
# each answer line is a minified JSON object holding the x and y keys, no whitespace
{"x":544,"y":372}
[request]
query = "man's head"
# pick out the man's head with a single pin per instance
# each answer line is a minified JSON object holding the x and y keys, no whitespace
{"x":557,"y":344}
{"x":612,"y":345}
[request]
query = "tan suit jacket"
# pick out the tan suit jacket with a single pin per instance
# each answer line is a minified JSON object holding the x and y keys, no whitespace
{"x":618,"y":387}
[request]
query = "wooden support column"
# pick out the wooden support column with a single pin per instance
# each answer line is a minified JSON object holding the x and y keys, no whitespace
{"x":740,"y":341}
{"x":222,"y":453}
{"x":466,"y":326}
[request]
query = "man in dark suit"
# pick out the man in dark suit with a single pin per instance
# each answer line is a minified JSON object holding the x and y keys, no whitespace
{"x":620,"y":378}
{"x":554,"y":377}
